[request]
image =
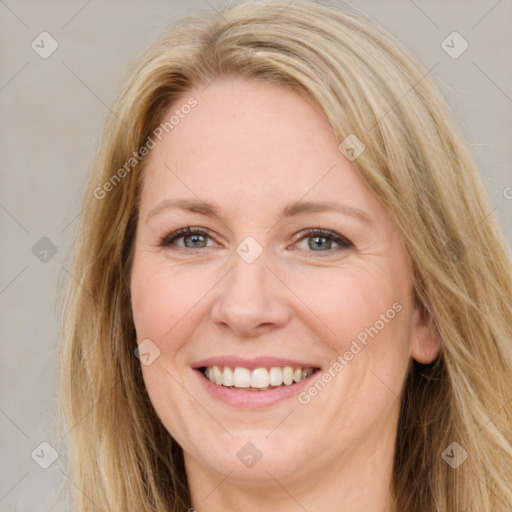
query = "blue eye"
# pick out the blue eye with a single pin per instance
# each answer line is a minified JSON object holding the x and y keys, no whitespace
{"x":319,"y":240}
{"x":193,"y":238}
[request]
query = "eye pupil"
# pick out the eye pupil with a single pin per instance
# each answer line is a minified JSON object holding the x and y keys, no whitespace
{"x":317,"y":240}
{"x":320,"y":242}
{"x":192,"y":240}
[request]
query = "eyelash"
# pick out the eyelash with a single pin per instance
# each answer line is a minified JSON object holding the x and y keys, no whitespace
{"x":342,"y":242}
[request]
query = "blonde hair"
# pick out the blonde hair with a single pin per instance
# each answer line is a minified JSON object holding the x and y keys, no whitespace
{"x":420,"y":169}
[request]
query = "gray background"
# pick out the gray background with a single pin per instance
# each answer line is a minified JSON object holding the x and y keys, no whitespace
{"x":53,"y":112}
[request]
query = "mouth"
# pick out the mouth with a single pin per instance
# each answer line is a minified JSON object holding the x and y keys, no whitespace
{"x":261,"y":379}
{"x":253,"y":383}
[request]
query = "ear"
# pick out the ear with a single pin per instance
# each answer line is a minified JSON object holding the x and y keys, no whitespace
{"x":425,"y":343}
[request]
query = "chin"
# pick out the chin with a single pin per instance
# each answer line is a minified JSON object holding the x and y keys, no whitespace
{"x":252,"y":458}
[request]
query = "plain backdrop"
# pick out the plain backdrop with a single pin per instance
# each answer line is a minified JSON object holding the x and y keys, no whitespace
{"x":53,"y":110}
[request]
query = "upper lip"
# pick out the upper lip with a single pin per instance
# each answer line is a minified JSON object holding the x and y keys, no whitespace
{"x":252,"y":363}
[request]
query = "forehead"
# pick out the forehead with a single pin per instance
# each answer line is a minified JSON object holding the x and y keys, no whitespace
{"x":250,"y":142}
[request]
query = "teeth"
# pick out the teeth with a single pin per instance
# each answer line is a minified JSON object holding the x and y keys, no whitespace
{"x":288,"y":375}
{"x":217,"y":375}
{"x":275,"y":376}
{"x":257,"y":379}
{"x":227,"y":377}
{"x":241,"y":377}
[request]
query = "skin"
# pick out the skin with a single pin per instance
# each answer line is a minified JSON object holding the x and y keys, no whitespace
{"x":250,"y":148}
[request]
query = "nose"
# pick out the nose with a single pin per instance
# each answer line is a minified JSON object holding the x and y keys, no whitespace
{"x":251,"y":300}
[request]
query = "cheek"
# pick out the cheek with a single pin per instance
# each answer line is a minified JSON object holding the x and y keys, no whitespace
{"x":348,"y":300}
{"x":164,"y":302}
{"x":364,"y":313}
{"x":162,"y":296}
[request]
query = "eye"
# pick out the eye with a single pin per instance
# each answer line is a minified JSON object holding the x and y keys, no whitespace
{"x":318,"y":240}
{"x":192,"y":238}
{"x":322,"y":240}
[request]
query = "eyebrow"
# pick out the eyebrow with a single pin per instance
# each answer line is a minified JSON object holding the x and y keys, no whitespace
{"x":291,"y":210}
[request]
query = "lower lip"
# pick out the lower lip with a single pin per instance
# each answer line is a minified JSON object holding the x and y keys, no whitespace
{"x":252,"y":399}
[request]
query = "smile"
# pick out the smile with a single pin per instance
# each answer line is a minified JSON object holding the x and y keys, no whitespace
{"x":257,"y":379}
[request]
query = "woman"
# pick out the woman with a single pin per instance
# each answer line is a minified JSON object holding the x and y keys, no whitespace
{"x":290,"y":293}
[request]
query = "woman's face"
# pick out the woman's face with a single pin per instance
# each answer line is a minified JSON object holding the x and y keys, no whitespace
{"x":254,"y":166}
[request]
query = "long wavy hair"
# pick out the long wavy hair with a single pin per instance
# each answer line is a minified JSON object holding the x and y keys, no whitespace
{"x":419,"y":167}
